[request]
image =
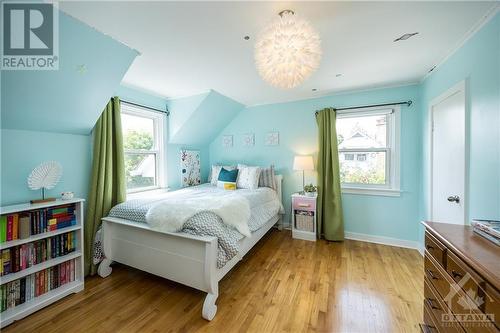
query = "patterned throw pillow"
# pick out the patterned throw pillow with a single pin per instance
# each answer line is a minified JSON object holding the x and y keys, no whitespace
{"x":248,"y":177}
{"x":267,"y":178}
{"x":227,"y":179}
{"x":214,"y":173}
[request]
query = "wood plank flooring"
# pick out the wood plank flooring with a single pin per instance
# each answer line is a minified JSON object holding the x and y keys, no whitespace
{"x":282,"y":285}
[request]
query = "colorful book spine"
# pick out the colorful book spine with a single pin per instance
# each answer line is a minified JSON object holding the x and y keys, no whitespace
{"x":23,"y":256}
{"x":3,"y":228}
{"x":10,"y":222}
{"x":29,"y":287}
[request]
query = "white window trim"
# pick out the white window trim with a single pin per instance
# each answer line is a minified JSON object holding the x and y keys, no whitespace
{"x":160,"y":151}
{"x":392,"y":188}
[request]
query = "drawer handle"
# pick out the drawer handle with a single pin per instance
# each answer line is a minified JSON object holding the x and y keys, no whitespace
{"x":431,"y":275}
{"x":456,"y":274}
{"x":430,"y":247}
{"x":426,"y":328}
{"x":430,"y":303}
{"x":304,"y":205}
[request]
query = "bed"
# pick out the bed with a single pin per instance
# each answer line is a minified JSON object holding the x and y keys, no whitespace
{"x":189,"y":259}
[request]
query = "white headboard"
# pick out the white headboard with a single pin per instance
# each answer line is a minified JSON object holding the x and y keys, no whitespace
{"x":279,"y":183}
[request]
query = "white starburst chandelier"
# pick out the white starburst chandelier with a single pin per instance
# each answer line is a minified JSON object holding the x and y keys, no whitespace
{"x":287,"y":51}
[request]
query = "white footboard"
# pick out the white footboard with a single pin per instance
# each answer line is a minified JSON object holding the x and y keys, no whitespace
{"x":187,"y":259}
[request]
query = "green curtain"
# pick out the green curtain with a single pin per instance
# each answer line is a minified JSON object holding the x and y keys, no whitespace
{"x":107,"y":187}
{"x":329,"y":210}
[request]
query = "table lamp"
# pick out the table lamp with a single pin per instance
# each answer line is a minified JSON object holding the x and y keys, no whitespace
{"x":303,"y":163}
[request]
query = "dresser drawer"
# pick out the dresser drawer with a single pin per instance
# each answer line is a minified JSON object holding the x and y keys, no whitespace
{"x":304,"y":204}
{"x":435,"y":248}
{"x":462,"y":274}
{"x":467,"y":313}
{"x":440,"y":311}
{"x":492,"y":303}
{"x":436,"y":276}
{"x":429,"y":325}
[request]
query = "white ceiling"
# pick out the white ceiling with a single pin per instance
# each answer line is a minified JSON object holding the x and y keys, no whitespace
{"x":190,"y":47}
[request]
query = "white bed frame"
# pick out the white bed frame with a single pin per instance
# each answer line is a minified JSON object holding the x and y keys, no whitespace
{"x":187,"y":259}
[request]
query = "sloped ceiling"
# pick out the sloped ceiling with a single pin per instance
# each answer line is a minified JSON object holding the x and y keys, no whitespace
{"x":71,"y":99}
{"x":196,"y":120}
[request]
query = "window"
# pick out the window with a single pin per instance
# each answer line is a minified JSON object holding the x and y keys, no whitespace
{"x":143,"y":147}
{"x":368,"y":143}
{"x":349,"y":157}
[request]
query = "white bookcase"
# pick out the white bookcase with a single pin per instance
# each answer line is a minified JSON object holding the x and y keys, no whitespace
{"x":37,"y":303}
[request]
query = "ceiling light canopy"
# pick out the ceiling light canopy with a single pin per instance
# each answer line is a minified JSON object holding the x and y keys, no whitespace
{"x":287,"y":51}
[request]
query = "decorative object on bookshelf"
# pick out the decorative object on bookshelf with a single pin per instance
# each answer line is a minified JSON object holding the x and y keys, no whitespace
{"x":45,"y":176}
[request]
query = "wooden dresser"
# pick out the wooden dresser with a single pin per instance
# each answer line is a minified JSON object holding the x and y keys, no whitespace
{"x":461,"y":281}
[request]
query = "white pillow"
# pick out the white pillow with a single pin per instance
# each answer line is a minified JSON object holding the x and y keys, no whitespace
{"x":214,"y":174}
{"x":248,"y":177}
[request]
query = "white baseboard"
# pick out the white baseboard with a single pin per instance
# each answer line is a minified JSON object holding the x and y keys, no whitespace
{"x":384,"y":240}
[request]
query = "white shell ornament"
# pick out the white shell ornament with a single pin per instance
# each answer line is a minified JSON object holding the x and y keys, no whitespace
{"x":45,"y":176}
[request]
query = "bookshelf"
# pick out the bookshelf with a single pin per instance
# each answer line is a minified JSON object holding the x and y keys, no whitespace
{"x":61,"y":258}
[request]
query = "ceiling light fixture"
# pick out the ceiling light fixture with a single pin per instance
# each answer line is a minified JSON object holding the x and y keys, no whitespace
{"x":405,"y":36}
{"x":287,"y":51}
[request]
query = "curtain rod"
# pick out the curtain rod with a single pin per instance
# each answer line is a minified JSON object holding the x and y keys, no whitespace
{"x":408,"y":103}
{"x":145,"y":107}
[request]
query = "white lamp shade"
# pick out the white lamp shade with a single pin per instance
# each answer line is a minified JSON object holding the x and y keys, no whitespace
{"x":303,"y":163}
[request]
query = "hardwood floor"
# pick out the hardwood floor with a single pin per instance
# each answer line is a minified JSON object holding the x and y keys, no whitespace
{"x":283,"y":285}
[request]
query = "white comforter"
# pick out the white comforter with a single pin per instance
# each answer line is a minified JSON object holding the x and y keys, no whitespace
{"x":174,"y":209}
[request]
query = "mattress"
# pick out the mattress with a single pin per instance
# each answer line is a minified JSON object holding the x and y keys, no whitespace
{"x":264,"y":205}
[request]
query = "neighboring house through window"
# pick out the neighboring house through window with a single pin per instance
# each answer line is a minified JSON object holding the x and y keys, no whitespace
{"x":368,"y":143}
{"x":143,"y":131}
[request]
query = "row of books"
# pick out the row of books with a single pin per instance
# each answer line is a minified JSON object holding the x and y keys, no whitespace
{"x":489,"y":229}
{"x":23,"y":225}
{"x":27,"y":288}
{"x":20,"y":257}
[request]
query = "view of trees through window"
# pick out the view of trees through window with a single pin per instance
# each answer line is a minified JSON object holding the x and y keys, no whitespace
{"x":363,"y":151}
{"x":140,"y":154}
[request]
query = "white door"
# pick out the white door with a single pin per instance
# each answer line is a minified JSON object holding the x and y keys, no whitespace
{"x":448,"y":157}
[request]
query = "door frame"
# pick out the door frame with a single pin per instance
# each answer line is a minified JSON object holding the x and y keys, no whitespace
{"x":460,"y":86}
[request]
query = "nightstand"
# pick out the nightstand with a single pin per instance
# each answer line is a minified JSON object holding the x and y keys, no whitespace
{"x":304,"y":217}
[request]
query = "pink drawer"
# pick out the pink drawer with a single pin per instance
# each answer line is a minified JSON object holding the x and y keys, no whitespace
{"x":304,"y":204}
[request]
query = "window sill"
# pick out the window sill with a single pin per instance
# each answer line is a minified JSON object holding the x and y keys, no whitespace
{"x":146,"y":193}
{"x":372,"y":191}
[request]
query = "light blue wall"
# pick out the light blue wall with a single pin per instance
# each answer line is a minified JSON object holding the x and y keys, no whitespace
{"x":48,"y":115}
{"x":173,"y":173}
{"x":478,"y":63}
{"x":395,"y":217}
{"x":21,"y":151}
{"x":66,"y":100}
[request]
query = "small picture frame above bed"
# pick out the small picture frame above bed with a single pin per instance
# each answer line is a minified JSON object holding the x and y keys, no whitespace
{"x":248,"y":140}
{"x":227,"y":141}
{"x":272,"y":139}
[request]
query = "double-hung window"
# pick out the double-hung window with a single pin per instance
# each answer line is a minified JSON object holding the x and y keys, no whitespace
{"x":143,"y":147}
{"x":368,"y":144}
